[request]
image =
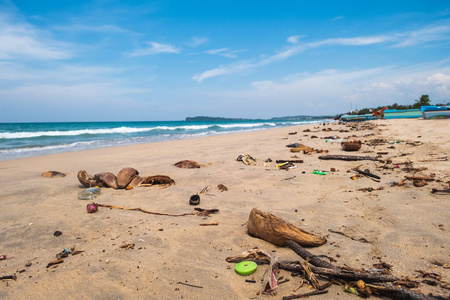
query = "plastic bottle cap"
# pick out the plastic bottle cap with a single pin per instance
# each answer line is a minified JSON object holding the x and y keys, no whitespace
{"x":246,"y":267}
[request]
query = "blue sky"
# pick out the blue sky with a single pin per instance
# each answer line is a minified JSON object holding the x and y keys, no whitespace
{"x":167,"y":60}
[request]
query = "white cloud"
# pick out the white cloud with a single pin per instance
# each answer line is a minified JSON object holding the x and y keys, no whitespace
{"x":21,"y":40}
{"x":226,"y":52}
{"x":155,"y":48}
{"x":294,"y":39}
{"x":100,"y":28}
{"x":423,"y":36}
{"x":197,"y":41}
{"x":337,"y":18}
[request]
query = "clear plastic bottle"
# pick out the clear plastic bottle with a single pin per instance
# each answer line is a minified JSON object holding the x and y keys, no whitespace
{"x":89,"y":194}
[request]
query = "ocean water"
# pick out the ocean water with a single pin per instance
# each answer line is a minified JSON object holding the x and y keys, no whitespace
{"x":19,"y":140}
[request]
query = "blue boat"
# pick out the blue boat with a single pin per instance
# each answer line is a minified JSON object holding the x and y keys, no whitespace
{"x":354,"y":118}
{"x":402,"y":114}
{"x":435,"y":112}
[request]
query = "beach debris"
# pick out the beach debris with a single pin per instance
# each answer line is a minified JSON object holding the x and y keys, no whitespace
{"x":420,"y":183}
{"x":222,"y":188}
{"x":92,"y":208}
{"x":2,"y":257}
{"x":371,"y":189}
{"x":162,"y":181}
{"x":135,"y":182}
{"x":87,"y":180}
{"x":205,"y":212}
{"x":245,"y":268}
{"x":293,"y":133}
{"x":443,"y":191}
{"x":347,"y":157}
{"x":143,"y":210}
{"x":209,"y":224}
{"x":187,"y":164}
{"x":426,"y":178}
{"x":8,"y":277}
{"x":191,"y":285}
{"x":63,"y":254}
{"x":194,"y":200}
{"x":367,"y":173}
{"x":89,"y":193}
{"x":286,"y":166}
{"x":317,"y":172}
{"x":305,"y":295}
{"x":53,"y":174}
{"x":127,"y":246}
{"x":307,"y":150}
{"x":255,"y":254}
{"x":280,"y":161}
{"x":276,"y":231}
{"x":293,"y":145}
{"x":125,"y":176}
{"x":351,"y":145}
{"x":247,"y":159}
{"x":270,"y":280}
{"x":55,"y":262}
{"x":108,"y":178}
{"x":57,"y":233}
{"x":361,"y":240}
{"x":250,"y":281}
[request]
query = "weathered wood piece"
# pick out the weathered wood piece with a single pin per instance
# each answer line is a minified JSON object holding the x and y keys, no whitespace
{"x":277,"y":231}
{"x":308,"y":256}
{"x":306,"y":295}
{"x":347,"y":157}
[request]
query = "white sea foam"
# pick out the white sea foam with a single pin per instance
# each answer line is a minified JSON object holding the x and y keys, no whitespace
{"x":123,"y":130}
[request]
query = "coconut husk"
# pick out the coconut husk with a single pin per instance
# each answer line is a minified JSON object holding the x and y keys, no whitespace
{"x":276,"y":231}
{"x":351,"y":145}
{"x":108,"y":178}
{"x":157,"y":180}
{"x":125,"y":176}
{"x":53,"y":174}
{"x":87,"y":180}
{"x":187,"y":164}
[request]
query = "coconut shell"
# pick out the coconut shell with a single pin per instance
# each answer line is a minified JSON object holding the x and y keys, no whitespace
{"x":87,"y":180}
{"x":351,"y":145}
{"x":135,"y":181}
{"x":157,"y":180}
{"x":276,"y":231}
{"x":125,"y":176}
{"x":108,"y":178}
{"x":187,"y":164}
{"x":53,"y":174}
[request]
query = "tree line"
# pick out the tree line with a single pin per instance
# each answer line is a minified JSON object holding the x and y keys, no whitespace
{"x":423,"y":101}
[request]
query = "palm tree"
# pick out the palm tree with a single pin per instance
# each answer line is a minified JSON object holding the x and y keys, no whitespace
{"x":424,"y":101}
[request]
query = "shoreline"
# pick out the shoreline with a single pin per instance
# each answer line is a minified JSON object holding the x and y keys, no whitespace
{"x":401,"y":223}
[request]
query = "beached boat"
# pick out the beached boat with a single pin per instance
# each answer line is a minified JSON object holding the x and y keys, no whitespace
{"x":402,"y":114}
{"x":365,"y":117}
{"x":435,"y":112}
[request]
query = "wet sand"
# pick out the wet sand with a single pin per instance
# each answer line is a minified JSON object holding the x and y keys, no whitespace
{"x":404,"y":226}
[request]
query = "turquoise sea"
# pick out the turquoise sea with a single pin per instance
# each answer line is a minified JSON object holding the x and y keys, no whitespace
{"x":19,"y":140}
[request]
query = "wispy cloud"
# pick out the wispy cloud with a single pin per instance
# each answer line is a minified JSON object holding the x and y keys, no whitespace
{"x":226,"y":52}
{"x":21,"y":40}
{"x":423,"y":36}
{"x":197,"y":41}
{"x":337,"y":18}
{"x":100,"y":29}
{"x":155,"y":48}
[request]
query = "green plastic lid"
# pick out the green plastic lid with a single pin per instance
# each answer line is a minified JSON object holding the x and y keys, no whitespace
{"x":246,"y":267}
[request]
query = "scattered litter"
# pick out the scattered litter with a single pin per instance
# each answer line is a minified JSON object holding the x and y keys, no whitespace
{"x":317,"y":172}
{"x":194,"y":200}
{"x":222,"y":188}
{"x":57,"y":233}
{"x":246,"y":268}
{"x":92,"y":208}
{"x":351,"y":145}
{"x":89,"y":193}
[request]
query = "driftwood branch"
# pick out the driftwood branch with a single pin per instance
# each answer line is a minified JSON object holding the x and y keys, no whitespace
{"x":341,"y":273}
{"x":308,"y":256}
{"x":398,"y":293}
{"x":347,"y":157}
{"x":306,"y":295}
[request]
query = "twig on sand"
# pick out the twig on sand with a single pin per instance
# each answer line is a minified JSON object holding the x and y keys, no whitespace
{"x":144,"y":210}
{"x":191,"y":285}
{"x":318,"y":292}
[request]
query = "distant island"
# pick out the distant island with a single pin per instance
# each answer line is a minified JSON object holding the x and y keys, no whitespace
{"x":287,"y":118}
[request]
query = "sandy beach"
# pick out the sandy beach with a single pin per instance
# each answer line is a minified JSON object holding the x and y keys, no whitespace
{"x":364,"y":221}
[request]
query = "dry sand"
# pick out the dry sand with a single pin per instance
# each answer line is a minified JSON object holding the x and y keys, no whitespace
{"x":406,"y":226}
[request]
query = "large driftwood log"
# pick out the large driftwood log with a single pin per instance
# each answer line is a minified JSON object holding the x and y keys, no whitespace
{"x":276,"y":231}
{"x":340,"y":273}
{"x":394,"y":292}
{"x":347,"y":157}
